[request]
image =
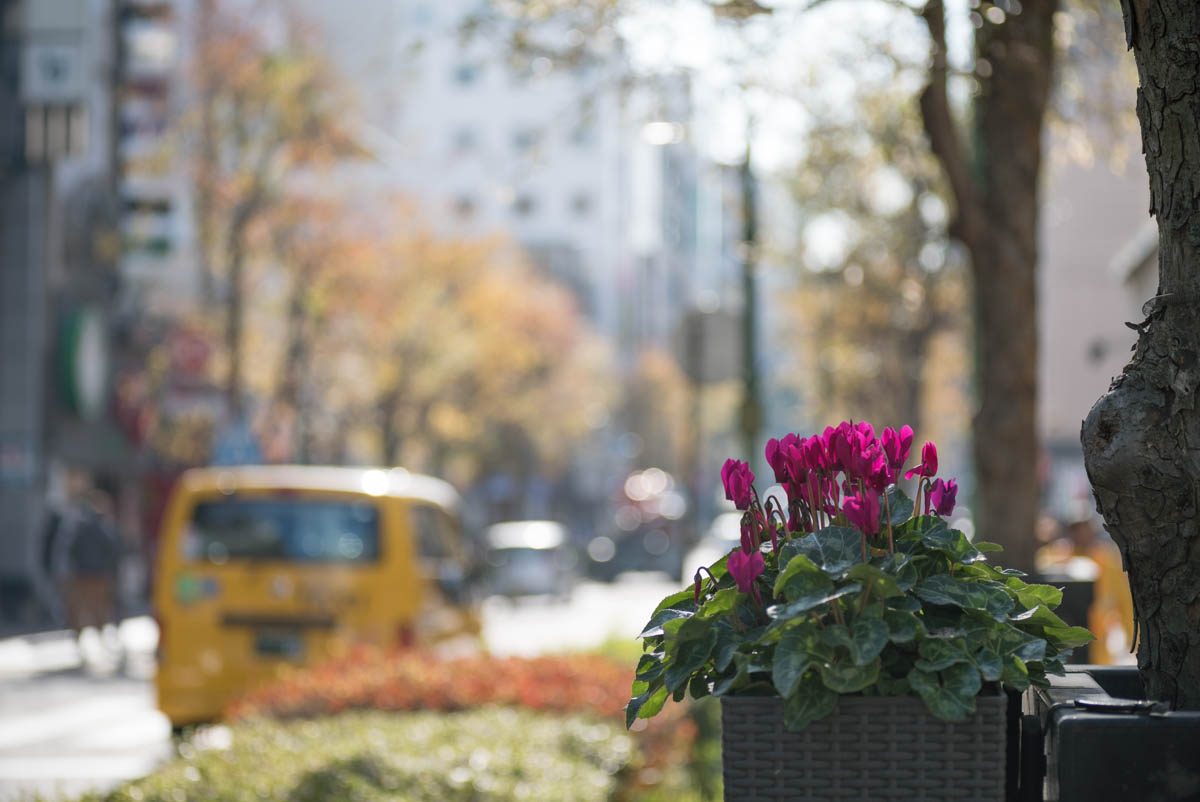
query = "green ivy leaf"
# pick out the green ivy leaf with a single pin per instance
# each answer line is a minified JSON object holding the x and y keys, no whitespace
{"x":1041,"y":621}
{"x":902,"y":626}
{"x":888,"y":685}
{"x":936,"y":534}
{"x":946,"y":590}
{"x":809,"y":702}
{"x":805,"y":603}
{"x":847,"y":677}
{"x":687,"y":658}
{"x":883,"y":585}
{"x":1069,"y":637}
{"x":684,"y":600}
{"x":990,"y":666}
{"x":906,"y":604}
{"x":801,"y":577}
{"x":655,"y":625}
{"x":900,"y":505}
{"x":985,"y":545}
{"x":797,"y":650}
{"x":939,"y":654}
{"x":950,"y":697}
{"x":901,"y":568}
{"x":698,"y":687}
{"x":1014,"y":673}
{"x":649,"y":699}
{"x":649,"y":668}
{"x":864,"y":638}
{"x":833,"y":549}
{"x":722,"y":602}
{"x":727,"y":643}
{"x":1033,"y":595}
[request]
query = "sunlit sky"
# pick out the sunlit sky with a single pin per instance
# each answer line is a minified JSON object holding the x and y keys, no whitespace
{"x":789,"y":56}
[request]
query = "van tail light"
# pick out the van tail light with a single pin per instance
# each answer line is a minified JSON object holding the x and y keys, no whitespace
{"x":406,"y":638}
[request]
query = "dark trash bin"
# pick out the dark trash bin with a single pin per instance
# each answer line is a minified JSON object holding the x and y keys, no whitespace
{"x":1092,"y":737}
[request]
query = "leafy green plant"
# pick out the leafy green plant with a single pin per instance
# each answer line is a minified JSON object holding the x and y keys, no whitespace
{"x":852,"y":588}
{"x":368,"y":756}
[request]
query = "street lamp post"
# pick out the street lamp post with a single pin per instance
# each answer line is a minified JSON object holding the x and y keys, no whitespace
{"x":751,"y":409}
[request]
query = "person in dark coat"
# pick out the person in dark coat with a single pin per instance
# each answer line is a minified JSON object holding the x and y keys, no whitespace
{"x":91,"y":545}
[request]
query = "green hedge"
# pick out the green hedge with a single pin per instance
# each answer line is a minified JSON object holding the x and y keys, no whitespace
{"x":487,"y":754}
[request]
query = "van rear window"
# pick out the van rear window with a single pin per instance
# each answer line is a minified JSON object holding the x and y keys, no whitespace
{"x":292,"y":530}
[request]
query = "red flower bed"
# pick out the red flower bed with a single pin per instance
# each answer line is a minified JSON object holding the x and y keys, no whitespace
{"x":367,"y":678}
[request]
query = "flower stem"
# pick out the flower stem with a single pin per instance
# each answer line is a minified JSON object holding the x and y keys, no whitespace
{"x":887,"y":504}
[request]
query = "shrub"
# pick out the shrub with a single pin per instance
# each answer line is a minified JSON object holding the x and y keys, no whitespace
{"x":368,"y":756}
{"x":370,"y":679}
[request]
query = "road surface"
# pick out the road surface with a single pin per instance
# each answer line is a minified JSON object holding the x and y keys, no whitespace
{"x":72,"y":718}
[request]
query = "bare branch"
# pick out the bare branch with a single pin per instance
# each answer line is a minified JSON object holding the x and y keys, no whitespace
{"x":944,"y":138}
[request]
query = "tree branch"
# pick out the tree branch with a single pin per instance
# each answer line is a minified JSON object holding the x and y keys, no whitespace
{"x":939,"y":124}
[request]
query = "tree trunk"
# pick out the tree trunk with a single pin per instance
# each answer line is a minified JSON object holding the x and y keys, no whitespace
{"x":996,"y":194}
{"x":1141,"y":441}
{"x":234,"y":310}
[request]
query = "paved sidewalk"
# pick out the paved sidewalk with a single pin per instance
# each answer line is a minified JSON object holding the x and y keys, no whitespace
{"x":78,"y":717}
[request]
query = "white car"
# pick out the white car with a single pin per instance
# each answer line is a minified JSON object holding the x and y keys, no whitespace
{"x":723,"y":535}
{"x":529,"y":558}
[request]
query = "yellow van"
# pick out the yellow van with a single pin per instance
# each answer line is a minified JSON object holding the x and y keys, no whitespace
{"x":265,"y":567}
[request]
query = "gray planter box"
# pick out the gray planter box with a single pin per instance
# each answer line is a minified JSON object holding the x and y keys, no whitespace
{"x":880,"y":748}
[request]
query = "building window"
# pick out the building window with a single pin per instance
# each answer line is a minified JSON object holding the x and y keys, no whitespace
{"x":464,"y":140}
{"x":525,"y":139}
{"x":464,"y":207}
{"x":524,"y":206}
{"x":466,"y":74}
{"x":581,"y":204}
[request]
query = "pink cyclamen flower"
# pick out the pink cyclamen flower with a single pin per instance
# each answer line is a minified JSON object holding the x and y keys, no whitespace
{"x":929,"y":464}
{"x":862,"y":510}
{"x":777,"y":455}
{"x":897,"y":446}
{"x":816,"y":454}
{"x":942,"y":495}
{"x":879,"y":473}
{"x":747,"y":538}
{"x":738,"y":480}
{"x":745,"y":568}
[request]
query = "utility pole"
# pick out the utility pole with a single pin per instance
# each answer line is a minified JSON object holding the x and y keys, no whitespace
{"x":751,"y":411}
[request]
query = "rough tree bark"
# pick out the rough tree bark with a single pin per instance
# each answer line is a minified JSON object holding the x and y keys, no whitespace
{"x":1141,"y":440}
{"x":995,"y":189}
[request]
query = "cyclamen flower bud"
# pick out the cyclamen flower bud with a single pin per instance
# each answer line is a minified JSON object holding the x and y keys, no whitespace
{"x":942,"y":495}
{"x":738,"y":480}
{"x":929,"y":463}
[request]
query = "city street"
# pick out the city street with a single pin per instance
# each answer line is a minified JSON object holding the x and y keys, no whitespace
{"x":67,"y":726}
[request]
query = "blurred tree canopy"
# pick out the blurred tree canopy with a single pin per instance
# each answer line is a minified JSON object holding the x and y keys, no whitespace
{"x":263,"y":111}
{"x":989,"y":151}
{"x":868,"y":311}
{"x":358,"y":330}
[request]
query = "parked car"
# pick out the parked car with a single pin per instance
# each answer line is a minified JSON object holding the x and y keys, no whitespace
{"x":529,"y":558}
{"x":265,"y":567}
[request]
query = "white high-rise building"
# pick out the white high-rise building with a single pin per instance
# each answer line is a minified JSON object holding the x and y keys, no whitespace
{"x":488,"y":143}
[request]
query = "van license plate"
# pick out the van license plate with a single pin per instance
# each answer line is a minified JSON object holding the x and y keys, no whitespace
{"x":286,"y":645}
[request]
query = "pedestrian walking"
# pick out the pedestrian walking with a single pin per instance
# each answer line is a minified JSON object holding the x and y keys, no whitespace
{"x":90,"y":548}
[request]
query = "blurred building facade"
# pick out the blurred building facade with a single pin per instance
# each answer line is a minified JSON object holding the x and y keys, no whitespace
{"x":1091,"y":212}
{"x":492,"y":142}
{"x":590,"y":168}
{"x":59,"y":283}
